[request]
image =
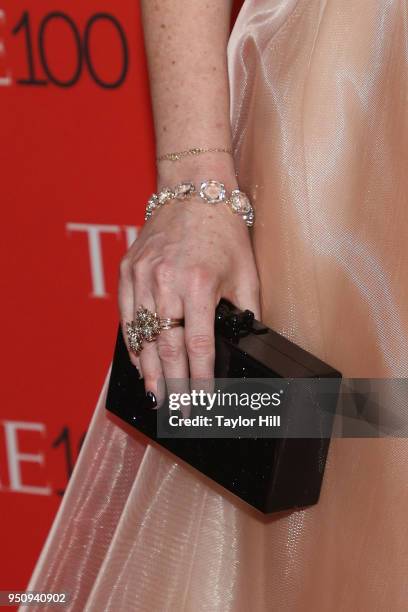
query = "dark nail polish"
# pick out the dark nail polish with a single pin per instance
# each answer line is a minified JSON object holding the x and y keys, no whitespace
{"x":151,"y":399}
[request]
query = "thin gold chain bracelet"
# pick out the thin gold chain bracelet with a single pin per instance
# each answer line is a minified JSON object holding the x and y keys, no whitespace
{"x":210,"y":191}
{"x":195,"y":151}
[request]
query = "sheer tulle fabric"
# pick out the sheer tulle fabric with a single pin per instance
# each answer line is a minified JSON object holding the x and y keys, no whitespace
{"x":320,"y":123}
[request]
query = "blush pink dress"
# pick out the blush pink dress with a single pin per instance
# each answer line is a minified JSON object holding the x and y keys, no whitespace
{"x":319,"y":110}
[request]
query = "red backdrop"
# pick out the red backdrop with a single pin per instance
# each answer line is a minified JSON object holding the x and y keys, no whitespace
{"x":77,"y":167}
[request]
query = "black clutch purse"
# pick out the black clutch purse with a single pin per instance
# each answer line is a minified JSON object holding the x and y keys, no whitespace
{"x":271,"y":474}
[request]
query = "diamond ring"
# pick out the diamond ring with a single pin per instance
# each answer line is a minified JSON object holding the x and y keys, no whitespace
{"x":146,"y":327}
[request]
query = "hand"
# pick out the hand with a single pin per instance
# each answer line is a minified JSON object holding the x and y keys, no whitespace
{"x":188,"y":256}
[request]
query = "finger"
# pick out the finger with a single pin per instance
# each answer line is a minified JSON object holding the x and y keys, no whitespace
{"x":126,"y":306}
{"x":149,"y":358}
{"x":171,"y":348}
{"x":199,"y":314}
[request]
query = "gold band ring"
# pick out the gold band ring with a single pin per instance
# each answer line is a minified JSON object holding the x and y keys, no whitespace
{"x":167,"y":323}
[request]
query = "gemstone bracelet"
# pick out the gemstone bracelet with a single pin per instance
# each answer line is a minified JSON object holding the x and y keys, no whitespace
{"x":211,"y":192}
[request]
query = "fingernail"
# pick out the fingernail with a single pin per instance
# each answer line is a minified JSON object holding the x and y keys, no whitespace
{"x":151,"y":399}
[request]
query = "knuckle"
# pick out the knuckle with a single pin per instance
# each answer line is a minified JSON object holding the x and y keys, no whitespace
{"x":199,"y":345}
{"x":200,"y":275}
{"x":169,"y":351}
{"x":163,"y":273}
